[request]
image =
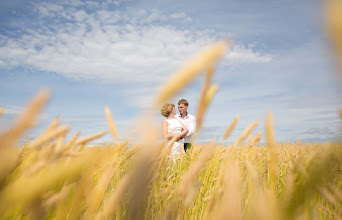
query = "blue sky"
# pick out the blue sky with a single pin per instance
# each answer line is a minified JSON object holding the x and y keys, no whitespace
{"x":93,"y":54}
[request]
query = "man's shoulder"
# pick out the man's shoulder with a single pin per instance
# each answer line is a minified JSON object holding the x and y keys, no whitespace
{"x":191,"y":116}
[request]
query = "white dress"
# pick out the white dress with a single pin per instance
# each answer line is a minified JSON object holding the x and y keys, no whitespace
{"x":174,"y":126}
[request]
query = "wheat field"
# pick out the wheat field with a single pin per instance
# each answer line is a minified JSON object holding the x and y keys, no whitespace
{"x":119,"y":181}
{"x":54,"y":178}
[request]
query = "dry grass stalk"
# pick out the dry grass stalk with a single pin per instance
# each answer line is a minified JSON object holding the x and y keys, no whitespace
{"x":328,"y":196}
{"x":144,"y":169}
{"x":171,"y":142}
{"x":300,"y":142}
{"x":187,"y":183}
{"x":231,"y":201}
{"x":262,"y":204}
{"x":88,"y":138}
{"x":24,"y":150}
{"x":2,"y":111}
{"x":121,"y":146}
{"x":52,"y":126}
{"x":202,"y":109}
{"x":340,"y":112}
{"x":201,"y":104}
{"x":237,"y":141}
{"x":35,"y":167}
{"x":336,"y":192}
{"x":38,"y":184}
{"x":248,"y":130}
{"x":71,"y":142}
{"x":256,"y":139}
{"x":245,"y":133}
{"x":74,"y":209}
{"x":97,"y":194}
{"x":187,"y":73}
{"x":334,"y":25}
{"x":8,"y":155}
{"x":9,"y":138}
{"x":113,"y":202}
{"x":58,"y":197}
{"x":33,"y":124}
{"x":49,"y":136}
{"x":272,"y":161}
{"x":209,"y":95}
{"x":189,"y":177}
{"x":148,"y":131}
{"x":60,"y":144}
{"x":28,"y":140}
{"x":231,"y":127}
{"x":111,"y":124}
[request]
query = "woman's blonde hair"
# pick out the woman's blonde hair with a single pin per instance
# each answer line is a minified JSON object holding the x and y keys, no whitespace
{"x":166,"y":110}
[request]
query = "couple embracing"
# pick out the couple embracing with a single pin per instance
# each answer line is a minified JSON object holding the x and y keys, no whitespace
{"x":182,"y":125}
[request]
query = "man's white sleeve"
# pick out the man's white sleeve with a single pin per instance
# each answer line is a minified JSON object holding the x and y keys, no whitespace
{"x":192,"y":127}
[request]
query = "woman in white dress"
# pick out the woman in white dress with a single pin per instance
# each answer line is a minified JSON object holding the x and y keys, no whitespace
{"x":172,"y":127}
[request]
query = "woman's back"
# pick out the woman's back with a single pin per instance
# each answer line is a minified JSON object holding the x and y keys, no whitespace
{"x":173,"y":126}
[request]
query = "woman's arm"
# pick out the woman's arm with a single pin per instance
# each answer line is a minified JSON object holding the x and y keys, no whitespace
{"x":185,"y":129}
{"x":165,"y":133}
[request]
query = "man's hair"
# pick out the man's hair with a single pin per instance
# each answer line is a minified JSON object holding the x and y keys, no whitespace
{"x":166,"y":110}
{"x":183,"y":101}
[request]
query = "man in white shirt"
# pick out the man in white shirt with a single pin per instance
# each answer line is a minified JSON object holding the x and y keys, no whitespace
{"x":188,"y":120}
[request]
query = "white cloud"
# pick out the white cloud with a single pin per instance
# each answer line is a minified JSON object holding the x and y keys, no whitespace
{"x":178,"y":15}
{"x":13,"y":110}
{"x":181,"y":16}
{"x":242,"y":54}
{"x":111,"y":46}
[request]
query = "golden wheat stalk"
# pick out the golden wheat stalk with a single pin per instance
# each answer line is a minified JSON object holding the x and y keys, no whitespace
{"x":111,"y":124}
{"x":8,"y":154}
{"x":60,"y":144}
{"x":256,"y":139}
{"x":245,"y":133}
{"x":49,"y":136}
{"x":24,"y":122}
{"x":52,"y":126}
{"x":210,"y":94}
{"x":272,"y":161}
{"x":91,"y":137}
{"x":231,"y":201}
{"x":2,"y":111}
{"x":262,"y":204}
{"x":231,"y":127}
{"x":340,"y":112}
{"x":248,"y":130}
{"x":145,"y":163}
{"x":171,"y":142}
{"x":58,"y":197}
{"x":36,"y":185}
{"x":185,"y":190}
{"x":71,"y":142}
{"x":97,"y":194}
{"x":192,"y":68}
{"x":121,"y":146}
{"x":207,"y":100}
{"x":334,"y":25}
{"x":113,"y":202}
{"x":189,"y":177}
{"x":201,"y":103}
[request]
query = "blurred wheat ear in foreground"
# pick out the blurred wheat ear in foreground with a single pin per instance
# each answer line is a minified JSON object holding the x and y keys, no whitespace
{"x":51,"y":178}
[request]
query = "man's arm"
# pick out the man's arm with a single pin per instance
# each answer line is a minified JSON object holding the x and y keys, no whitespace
{"x":191,"y":127}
